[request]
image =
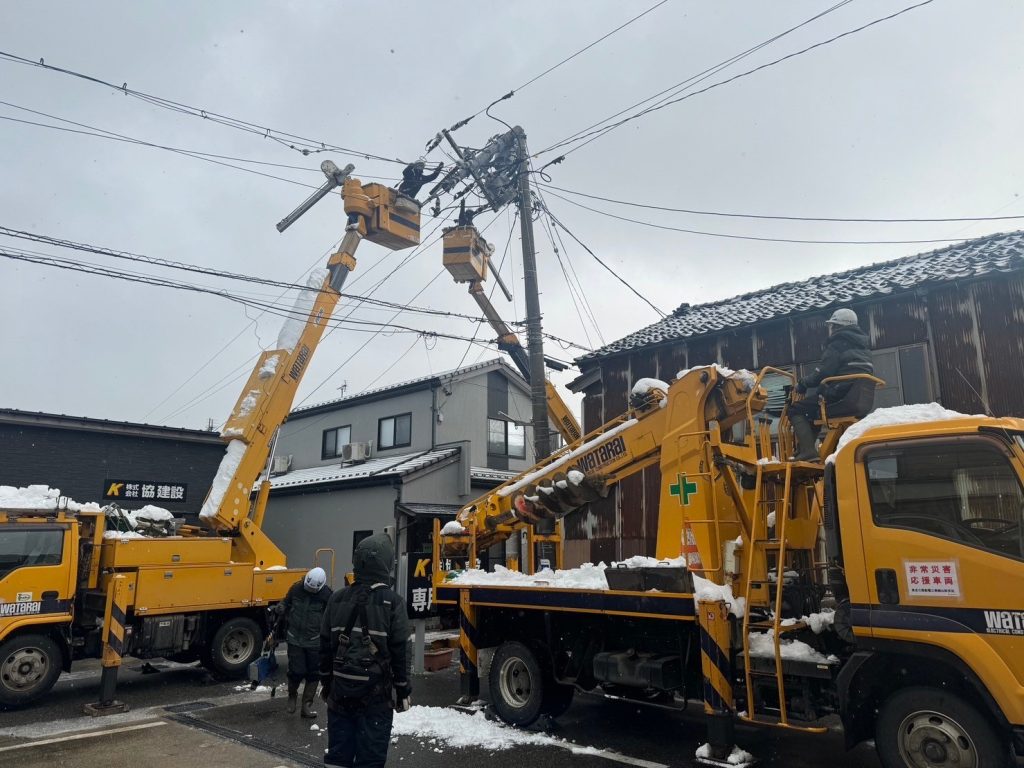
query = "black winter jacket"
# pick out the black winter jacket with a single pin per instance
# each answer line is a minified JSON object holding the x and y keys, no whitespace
{"x":304,"y":612}
{"x":847,"y":351}
{"x":385,"y":612}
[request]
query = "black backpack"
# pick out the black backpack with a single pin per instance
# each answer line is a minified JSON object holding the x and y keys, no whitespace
{"x":362,"y":672}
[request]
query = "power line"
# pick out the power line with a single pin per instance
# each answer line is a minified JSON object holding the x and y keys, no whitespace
{"x":770,"y":217}
{"x":654,"y":108}
{"x":683,"y":85}
{"x":757,"y":238}
{"x":304,"y":145}
{"x":597,"y":258}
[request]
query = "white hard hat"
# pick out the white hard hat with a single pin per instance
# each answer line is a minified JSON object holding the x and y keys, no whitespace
{"x":843,"y":317}
{"x":315,"y":579}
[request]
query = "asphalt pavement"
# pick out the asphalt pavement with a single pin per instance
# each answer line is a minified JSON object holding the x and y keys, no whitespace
{"x":180,"y":716}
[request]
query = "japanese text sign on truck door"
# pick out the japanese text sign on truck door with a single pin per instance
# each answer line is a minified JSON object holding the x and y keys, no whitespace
{"x":932,"y":578}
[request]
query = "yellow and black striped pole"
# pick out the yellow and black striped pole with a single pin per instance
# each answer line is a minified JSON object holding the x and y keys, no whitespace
{"x":717,"y":670}
{"x":469,"y":674}
{"x":115,"y":620}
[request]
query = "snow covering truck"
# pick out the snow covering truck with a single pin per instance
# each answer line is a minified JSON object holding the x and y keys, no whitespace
{"x":883,"y":584}
{"x":71,"y":588}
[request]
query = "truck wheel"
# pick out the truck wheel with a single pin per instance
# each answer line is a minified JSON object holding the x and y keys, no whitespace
{"x":931,"y":728}
{"x":235,"y":643}
{"x":29,"y":666}
{"x":516,"y":683}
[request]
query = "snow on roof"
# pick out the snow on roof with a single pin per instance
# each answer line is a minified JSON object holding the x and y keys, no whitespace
{"x":496,"y":362}
{"x":384,"y":466}
{"x":494,"y":475}
{"x":972,"y":258}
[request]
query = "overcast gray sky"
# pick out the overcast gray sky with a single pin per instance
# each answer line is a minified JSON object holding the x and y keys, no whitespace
{"x":920,"y":116}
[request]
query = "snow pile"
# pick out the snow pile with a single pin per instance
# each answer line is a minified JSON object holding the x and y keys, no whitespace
{"x":453,"y":528}
{"x":228,"y":466}
{"x":462,"y":731}
{"x":762,"y":645}
{"x":705,"y":589}
{"x":587,"y":576}
{"x":816,"y":622}
{"x":561,"y":461}
{"x":901,"y":414}
{"x":248,"y":403}
{"x":736,"y":757}
{"x":123,"y":535}
{"x":269,"y":367}
{"x":644,"y":386}
{"x":743,"y":375}
{"x":39,"y":497}
{"x":766,"y":460}
{"x":291,"y":329}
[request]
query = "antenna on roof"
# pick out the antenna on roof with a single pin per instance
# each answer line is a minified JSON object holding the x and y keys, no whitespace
{"x":984,"y":402}
{"x":343,"y":388}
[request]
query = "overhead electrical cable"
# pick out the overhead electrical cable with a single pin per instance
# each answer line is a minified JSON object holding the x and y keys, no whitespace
{"x":304,"y":145}
{"x":758,"y":238}
{"x":595,"y":134}
{"x":778,"y":217}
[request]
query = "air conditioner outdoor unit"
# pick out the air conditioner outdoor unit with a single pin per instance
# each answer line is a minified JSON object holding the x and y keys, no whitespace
{"x":281,"y":465}
{"x":356,"y":451}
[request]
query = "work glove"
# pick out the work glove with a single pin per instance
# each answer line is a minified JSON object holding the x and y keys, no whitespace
{"x":403,"y":697}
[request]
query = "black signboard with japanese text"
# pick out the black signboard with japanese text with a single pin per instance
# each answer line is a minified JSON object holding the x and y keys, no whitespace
{"x":419,"y":597}
{"x":144,"y":490}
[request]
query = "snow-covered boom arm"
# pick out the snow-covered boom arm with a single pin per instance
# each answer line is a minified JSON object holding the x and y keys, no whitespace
{"x":662,"y":419}
{"x":375,"y":212}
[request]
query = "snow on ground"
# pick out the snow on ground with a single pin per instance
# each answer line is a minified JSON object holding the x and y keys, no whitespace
{"x":921,"y":413}
{"x":228,"y":466}
{"x":736,"y":757}
{"x":762,"y":645}
{"x":439,"y":726}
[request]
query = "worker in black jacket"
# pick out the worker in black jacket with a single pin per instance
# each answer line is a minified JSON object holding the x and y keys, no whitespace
{"x":364,"y":657}
{"x":302,"y":612}
{"x":847,"y":351}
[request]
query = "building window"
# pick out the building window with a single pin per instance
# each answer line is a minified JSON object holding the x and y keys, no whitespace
{"x":358,"y":536}
{"x":964,"y":491}
{"x":333,"y":441}
{"x":906,"y":372}
{"x":394,"y":431}
{"x":506,"y":438}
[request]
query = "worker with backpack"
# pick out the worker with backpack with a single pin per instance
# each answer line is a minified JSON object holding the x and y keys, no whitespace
{"x":364,"y":663}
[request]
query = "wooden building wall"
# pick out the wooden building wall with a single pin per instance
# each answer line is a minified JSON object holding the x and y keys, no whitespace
{"x":974,"y":333}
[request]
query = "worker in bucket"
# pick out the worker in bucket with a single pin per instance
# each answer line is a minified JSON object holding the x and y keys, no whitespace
{"x":365,"y":660}
{"x":847,"y":351}
{"x":301,"y":612}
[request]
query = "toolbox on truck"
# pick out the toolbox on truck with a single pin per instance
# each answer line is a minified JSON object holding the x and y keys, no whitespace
{"x":664,"y":578}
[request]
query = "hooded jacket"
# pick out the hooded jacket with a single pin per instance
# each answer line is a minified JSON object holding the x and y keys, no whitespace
{"x":385,"y":611}
{"x":847,"y":351}
{"x":303,"y":612}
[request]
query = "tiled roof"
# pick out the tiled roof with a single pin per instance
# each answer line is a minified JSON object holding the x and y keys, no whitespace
{"x":493,"y":363}
{"x":389,"y":466}
{"x":972,"y":258}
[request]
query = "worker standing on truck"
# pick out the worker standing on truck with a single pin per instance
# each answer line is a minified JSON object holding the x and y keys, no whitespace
{"x":847,"y":351}
{"x":363,"y":658}
{"x":302,"y":612}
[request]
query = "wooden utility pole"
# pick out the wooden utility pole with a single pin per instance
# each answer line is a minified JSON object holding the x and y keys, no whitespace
{"x":534,"y":334}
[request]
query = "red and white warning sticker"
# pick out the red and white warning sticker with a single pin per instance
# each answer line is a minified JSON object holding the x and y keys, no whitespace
{"x":932,"y":578}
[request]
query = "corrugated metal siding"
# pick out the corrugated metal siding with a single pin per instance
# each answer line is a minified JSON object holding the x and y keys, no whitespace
{"x":702,"y":351}
{"x":1000,"y":311}
{"x":809,"y":335}
{"x":774,"y":345}
{"x":671,"y":360}
{"x":951,"y":313}
{"x":593,"y":407}
{"x":737,"y":348}
{"x":902,"y":320}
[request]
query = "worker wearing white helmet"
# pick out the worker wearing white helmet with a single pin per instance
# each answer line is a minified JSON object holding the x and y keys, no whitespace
{"x":301,"y":612}
{"x":847,"y":351}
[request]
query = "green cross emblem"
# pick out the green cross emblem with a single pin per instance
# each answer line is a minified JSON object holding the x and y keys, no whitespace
{"x":684,"y":489}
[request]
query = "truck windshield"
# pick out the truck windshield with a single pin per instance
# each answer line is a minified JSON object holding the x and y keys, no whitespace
{"x":20,"y":548}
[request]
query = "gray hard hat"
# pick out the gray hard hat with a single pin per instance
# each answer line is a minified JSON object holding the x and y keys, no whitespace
{"x":843,"y":316}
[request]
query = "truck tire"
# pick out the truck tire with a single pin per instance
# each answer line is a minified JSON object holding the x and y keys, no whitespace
{"x":29,"y":666}
{"x":235,"y":644}
{"x":516,"y":683}
{"x":930,"y":728}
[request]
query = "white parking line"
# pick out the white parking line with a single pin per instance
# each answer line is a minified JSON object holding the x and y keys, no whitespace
{"x":76,"y":736}
{"x":618,"y":758}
